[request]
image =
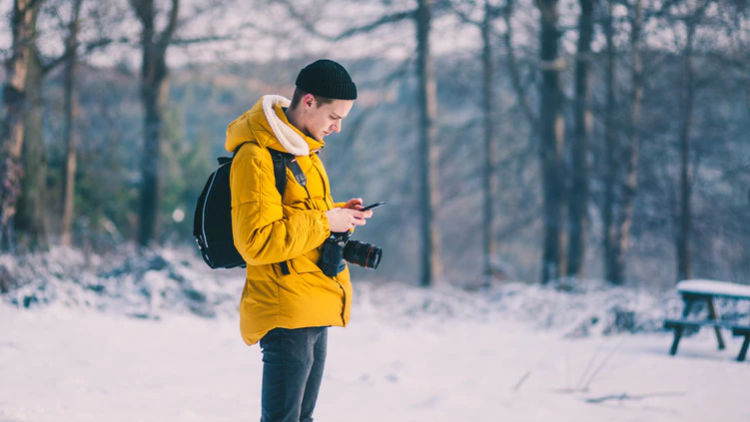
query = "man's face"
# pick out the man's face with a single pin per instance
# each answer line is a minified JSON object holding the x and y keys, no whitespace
{"x":320,"y":120}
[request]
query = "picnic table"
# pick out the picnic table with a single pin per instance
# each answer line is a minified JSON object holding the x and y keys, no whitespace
{"x":695,"y":291}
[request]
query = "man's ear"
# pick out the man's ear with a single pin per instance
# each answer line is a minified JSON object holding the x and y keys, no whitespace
{"x":308,"y":100}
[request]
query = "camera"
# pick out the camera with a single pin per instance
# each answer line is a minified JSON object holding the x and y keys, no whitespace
{"x":338,"y":248}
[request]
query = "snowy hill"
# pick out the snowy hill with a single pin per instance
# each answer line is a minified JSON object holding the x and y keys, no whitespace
{"x":175,"y":281}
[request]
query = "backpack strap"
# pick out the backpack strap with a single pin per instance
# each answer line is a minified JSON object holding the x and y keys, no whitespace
{"x":280,"y":163}
{"x":282,"y":160}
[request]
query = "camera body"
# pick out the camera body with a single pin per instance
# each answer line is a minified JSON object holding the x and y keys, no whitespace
{"x":339,"y":248}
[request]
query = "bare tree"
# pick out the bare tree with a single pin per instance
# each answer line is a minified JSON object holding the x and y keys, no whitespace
{"x":490,"y":139}
{"x":70,"y":106}
{"x":429,"y":154}
{"x":23,"y":28}
{"x":579,"y":192}
{"x":552,"y":128}
{"x":610,"y":145}
{"x":687,"y":94}
{"x":30,"y":222}
{"x":31,"y":218}
{"x":489,"y":101}
{"x":623,"y":210}
{"x":154,"y":44}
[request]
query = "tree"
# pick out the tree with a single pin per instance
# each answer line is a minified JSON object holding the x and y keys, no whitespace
{"x":490,"y":139}
{"x":153,"y":88}
{"x":687,"y":94}
{"x":429,"y":157}
{"x":618,"y":233}
{"x":551,"y":133}
{"x":610,"y":147}
{"x":30,"y":222}
{"x":69,"y":134}
{"x":579,"y":192}
{"x":23,"y":28}
{"x":489,"y":130}
{"x":31,"y":218}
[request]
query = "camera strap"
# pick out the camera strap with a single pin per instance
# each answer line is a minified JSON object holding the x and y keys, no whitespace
{"x":298,"y":174}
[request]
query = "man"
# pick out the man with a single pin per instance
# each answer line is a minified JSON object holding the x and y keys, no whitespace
{"x":288,"y":303}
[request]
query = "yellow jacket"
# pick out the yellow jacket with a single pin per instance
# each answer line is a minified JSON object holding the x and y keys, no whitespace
{"x":268,"y":230}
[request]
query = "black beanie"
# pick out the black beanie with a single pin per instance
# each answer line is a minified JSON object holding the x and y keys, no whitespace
{"x":328,"y":79}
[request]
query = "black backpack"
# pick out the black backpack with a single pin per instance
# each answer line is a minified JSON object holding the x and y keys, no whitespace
{"x":212,"y":225}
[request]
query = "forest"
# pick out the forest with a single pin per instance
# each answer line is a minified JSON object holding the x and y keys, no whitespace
{"x":512,"y":140}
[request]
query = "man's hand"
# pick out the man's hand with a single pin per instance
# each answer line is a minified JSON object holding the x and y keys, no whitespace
{"x":343,"y":219}
{"x":354,"y":203}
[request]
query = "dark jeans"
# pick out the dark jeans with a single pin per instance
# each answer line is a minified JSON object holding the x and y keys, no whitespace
{"x":293,"y":362}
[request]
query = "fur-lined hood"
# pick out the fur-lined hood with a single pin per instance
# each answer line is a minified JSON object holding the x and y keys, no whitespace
{"x":266,"y":123}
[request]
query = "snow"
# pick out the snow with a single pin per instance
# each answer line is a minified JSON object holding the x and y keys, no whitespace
{"x":714,"y":287}
{"x":158,"y":339}
{"x":61,"y":364}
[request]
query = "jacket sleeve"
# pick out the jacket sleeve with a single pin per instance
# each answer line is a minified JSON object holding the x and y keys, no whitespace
{"x":262,"y":234}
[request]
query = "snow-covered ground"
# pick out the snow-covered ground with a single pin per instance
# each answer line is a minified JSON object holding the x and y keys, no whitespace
{"x":511,"y":353}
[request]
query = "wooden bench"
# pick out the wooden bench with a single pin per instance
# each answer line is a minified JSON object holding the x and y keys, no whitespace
{"x":694,"y":291}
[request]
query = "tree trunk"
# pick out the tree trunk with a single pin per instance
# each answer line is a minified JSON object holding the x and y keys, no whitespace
{"x":23,"y":28}
{"x":429,"y":154}
{"x":684,"y":267}
{"x":610,"y":146}
{"x":153,"y":97}
{"x":30,"y":224}
{"x":488,"y":234}
{"x":579,"y":193}
{"x":69,"y":134}
{"x":630,"y":184}
{"x":551,"y":144}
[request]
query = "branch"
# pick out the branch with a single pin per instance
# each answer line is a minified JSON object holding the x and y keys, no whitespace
{"x":463,"y":16}
{"x":310,"y":26}
{"x":198,"y":40}
{"x":302,"y":19}
{"x":513,"y":68}
{"x":88,"y":48}
{"x":166,"y":35}
{"x":198,"y":12}
{"x":385,"y":19}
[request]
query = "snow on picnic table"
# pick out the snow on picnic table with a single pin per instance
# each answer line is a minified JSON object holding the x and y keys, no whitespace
{"x":714,"y":287}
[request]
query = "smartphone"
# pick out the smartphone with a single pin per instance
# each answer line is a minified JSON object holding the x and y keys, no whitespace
{"x":371,"y":206}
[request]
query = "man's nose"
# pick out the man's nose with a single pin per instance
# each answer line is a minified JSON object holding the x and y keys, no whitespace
{"x":336,"y":127}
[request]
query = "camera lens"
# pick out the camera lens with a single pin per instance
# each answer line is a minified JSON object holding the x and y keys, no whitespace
{"x":363,"y":254}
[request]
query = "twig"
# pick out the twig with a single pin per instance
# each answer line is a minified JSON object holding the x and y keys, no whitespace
{"x":626,"y":396}
{"x":602,"y":364}
{"x":522,"y":380}
{"x":585,"y":372}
